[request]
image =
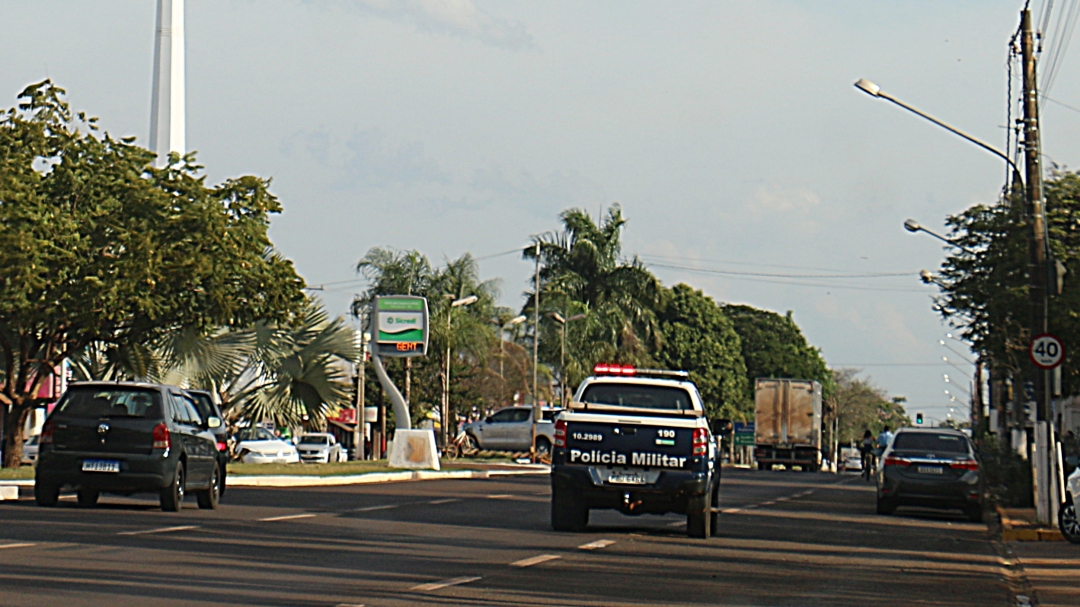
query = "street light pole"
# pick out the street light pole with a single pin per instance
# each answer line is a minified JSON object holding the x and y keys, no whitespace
{"x":562,"y":356}
{"x":913,"y":226}
{"x":444,"y":414}
{"x":536,"y":354}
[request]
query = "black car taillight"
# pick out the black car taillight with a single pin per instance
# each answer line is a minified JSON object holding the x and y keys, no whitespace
{"x":162,"y":439}
{"x":47,"y":431}
{"x":968,"y":464}
{"x":897,"y":461}
{"x":560,"y":434}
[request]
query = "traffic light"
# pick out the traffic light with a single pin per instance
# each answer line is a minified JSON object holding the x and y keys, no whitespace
{"x":918,"y":419}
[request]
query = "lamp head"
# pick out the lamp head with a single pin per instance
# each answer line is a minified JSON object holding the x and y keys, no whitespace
{"x":868,"y":87}
{"x":926,"y":276}
{"x":464,"y":301}
{"x":912,"y":226}
{"x":517,"y":320}
{"x":557,"y":317}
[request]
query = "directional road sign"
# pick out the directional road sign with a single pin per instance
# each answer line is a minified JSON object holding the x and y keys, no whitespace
{"x":1047,"y":351}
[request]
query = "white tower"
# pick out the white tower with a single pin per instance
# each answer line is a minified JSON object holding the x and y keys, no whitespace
{"x":167,"y":107}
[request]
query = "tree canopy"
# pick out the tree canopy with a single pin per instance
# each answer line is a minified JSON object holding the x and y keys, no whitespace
{"x":774,"y":346}
{"x":698,"y":337}
{"x":99,"y":247}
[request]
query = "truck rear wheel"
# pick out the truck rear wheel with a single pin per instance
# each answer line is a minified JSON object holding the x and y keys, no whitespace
{"x":698,"y":517}
{"x":714,"y":510}
{"x":568,"y":510}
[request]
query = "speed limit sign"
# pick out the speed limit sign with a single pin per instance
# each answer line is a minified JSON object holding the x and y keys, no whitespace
{"x":1047,"y":351}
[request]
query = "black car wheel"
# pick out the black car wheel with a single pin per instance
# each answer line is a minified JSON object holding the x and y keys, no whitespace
{"x":568,"y":510}
{"x":543,"y":446}
{"x":46,"y":494}
{"x":208,"y":499}
{"x":885,"y":506}
{"x":172,"y":496}
{"x":714,"y":510}
{"x":1068,"y":523}
{"x":974,"y":513}
{"x":698,"y":517}
{"x":88,"y":497}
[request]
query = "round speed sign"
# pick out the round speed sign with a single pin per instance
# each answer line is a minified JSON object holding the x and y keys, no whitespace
{"x":1047,"y":351}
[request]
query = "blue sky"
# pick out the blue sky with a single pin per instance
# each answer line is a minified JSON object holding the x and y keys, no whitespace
{"x":729,"y":132}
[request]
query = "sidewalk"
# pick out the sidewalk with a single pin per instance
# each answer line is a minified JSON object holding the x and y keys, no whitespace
{"x":1052,"y":569}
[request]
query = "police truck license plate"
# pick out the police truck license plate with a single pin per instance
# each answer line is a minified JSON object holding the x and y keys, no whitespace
{"x":930,"y":470}
{"x":626,"y":479}
{"x":100,"y":465}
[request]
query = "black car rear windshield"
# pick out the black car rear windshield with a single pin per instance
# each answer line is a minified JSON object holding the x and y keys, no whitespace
{"x":638,"y":395}
{"x":110,"y":402}
{"x":930,"y":443}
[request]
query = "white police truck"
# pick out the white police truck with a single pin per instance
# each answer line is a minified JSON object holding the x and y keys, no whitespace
{"x":636,"y":441}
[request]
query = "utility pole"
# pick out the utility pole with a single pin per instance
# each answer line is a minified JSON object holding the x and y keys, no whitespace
{"x":1037,"y":276}
{"x":536,"y":353}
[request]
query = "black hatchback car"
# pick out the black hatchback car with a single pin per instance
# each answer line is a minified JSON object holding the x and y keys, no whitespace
{"x":209,"y":409}
{"x":125,"y":438}
{"x":931,"y":468}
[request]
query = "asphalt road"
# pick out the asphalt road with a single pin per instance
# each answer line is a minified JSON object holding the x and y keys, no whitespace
{"x":785,"y":539}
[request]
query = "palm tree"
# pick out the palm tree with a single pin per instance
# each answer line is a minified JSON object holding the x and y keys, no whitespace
{"x":582,"y":271}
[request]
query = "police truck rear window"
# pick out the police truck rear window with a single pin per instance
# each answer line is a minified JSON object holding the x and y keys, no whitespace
{"x":641,"y":396}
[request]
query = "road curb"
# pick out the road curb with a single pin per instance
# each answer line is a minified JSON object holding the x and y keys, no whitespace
{"x":1025,"y":533}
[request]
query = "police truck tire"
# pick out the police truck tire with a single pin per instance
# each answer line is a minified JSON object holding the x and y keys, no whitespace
{"x":698,"y":517}
{"x":87,"y":498}
{"x":568,"y":511}
{"x":763,"y":466}
{"x":714,"y":514}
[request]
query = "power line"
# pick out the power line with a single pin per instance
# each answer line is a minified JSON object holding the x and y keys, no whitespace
{"x":739,"y":263}
{"x":791,"y":283}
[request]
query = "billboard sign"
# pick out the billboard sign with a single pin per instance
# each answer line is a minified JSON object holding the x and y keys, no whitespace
{"x":401,"y":326}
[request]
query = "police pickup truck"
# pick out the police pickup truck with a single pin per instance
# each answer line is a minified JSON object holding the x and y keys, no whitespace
{"x":636,"y":441}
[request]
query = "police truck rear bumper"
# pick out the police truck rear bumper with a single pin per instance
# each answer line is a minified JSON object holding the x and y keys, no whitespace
{"x":668,"y":494}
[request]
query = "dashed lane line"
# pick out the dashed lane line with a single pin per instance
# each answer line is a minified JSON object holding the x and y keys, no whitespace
{"x":374,"y":508}
{"x":159,"y":530}
{"x":499,"y":496}
{"x":286,"y":517}
{"x":535,"y":560}
{"x":19,"y":545}
{"x":457,"y":581}
{"x":596,"y":545}
{"x":445,"y":501}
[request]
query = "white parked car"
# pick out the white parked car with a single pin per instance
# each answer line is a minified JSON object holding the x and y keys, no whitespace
{"x":850,"y":458}
{"x":1067,"y":518}
{"x":320,"y":448}
{"x":260,"y":446}
{"x":30,"y":450}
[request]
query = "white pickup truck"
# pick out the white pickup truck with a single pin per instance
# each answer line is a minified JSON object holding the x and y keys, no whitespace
{"x":510,"y":429}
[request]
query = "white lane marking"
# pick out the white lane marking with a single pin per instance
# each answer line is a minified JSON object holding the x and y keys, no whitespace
{"x":782,"y":499}
{"x":374,"y":508}
{"x":457,"y":581}
{"x":349,"y":605}
{"x":287,"y":517}
{"x":536,"y":560}
{"x":68,"y":497}
{"x":159,"y":530}
{"x":499,"y":496}
{"x":677,"y":524}
{"x":730,"y":510}
{"x":596,"y":545}
{"x":767,"y":503}
{"x":20,"y":545}
{"x":446,"y":501}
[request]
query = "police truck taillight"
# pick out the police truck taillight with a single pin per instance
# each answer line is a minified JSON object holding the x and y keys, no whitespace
{"x":560,"y":434}
{"x":701,"y":441}
{"x":162,"y":440}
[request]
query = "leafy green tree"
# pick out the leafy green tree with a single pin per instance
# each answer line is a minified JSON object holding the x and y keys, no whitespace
{"x":98,"y":247}
{"x":863,"y":406}
{"x":774,"y":346}
{"x":698,"y":337}
{"x":984,"y":290}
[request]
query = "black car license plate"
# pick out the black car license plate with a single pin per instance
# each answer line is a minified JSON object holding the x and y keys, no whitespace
{"x":101,"y":465}
{"x":930,"y":470}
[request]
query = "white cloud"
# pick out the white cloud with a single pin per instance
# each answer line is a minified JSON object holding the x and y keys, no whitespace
{"x":367,"y":158}
{"x":775,"y":198}
{"x":459,"y":18}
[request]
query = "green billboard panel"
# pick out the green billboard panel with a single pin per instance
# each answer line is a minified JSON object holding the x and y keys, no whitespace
{"x":400,"y":326}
